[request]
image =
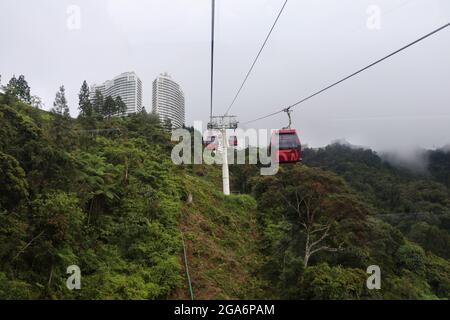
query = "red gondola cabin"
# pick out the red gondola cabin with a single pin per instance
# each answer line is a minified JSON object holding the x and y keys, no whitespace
{"x":289,"y":147}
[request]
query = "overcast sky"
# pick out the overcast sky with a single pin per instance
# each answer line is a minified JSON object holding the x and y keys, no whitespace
{"x":402,"y":102}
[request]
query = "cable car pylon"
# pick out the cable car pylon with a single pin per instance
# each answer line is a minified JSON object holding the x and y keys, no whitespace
{"x":222,"y":124}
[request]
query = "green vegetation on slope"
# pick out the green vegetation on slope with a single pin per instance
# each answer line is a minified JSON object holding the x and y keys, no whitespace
{"x":320,"y":236}
{"x":103,"y":194}
{"x":109,"y":203}
{"x":417,"y":204}
{"x":222,"y":243}
{"x":112,"y":202}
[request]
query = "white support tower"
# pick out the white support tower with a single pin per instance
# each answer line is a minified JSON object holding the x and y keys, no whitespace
{"x":223,"y":123}
{"x":225,"y":173}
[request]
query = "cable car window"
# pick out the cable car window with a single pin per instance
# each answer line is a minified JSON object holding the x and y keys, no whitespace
{"x":288,"y":141}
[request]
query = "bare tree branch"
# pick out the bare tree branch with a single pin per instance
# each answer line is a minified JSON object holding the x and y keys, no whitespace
{"x":320,"y":228}
{"x":325,"y":248}
{"x":27,"y":245}
{"x":324,"y":235}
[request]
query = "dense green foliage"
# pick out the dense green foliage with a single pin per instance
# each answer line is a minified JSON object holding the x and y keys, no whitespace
{"x":102,"y":193}
{"x":108,"y":202}
{"x":416,"y":203}
{"x":320,"y":236}
{"x":357,"y":210}
{"x":19,"y":88}
{"x":222,"y":240}
{"x":439,"y":165}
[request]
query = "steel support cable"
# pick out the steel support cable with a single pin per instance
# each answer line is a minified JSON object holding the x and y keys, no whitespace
{"x":213,"y":8}
{"x":256,"y":58}
{"x":191,"y":291}
{"x":351,"y":75}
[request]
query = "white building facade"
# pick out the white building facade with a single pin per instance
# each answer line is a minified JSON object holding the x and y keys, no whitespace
{"x":168,"y":101}
{"x":127,"y":85}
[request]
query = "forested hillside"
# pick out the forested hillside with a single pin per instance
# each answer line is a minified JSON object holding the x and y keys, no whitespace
{"x":417,"y":203}
{"x":320,"y":236}
{"x":102,"y":193}
{"x":107,"y":201}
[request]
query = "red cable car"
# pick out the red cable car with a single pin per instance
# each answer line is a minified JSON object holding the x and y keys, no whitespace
{"x":288,"y":143}
{"x":289,"y":146}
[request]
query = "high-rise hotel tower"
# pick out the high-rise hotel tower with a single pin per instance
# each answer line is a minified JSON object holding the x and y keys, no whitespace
{"x":168,"y":101}
{"x":127,"y":85}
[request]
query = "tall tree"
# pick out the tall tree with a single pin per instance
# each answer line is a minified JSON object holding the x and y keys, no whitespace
{"x":316,"y":225}
{"x":121,"y":107}
{"x":85,"y":105}
{"x":109,"y":107}
{"x":19,"y":88}
{"x":60,"y":105}
{"x":98,"y":102}
{"x":61,"y":125}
